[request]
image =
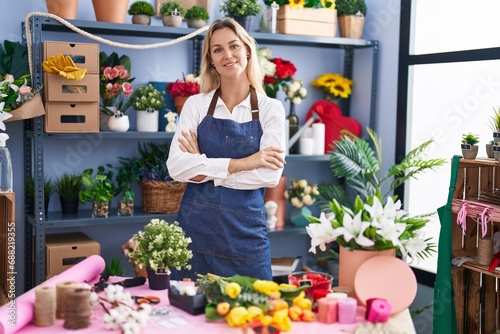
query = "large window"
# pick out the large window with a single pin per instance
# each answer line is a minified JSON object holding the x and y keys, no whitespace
{"x":447,"y":89}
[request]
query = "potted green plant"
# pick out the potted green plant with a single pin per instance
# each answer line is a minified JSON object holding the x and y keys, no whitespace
{"x":172,"y":13}
{"x":351,"y":16}
{"x":196,"y":17}
{"x":48,"y":190}
{"x":141,"y":12}
{"x":160,"y":194}
{"x":489,"y":149}
{"x":241,"y":10}
{"x":469,"y":145}
{"x":124,"y":179}
{"x":160,"y":247}
{"x":68,"y":187}
{"x":114,"y":266}
{"x":147,"y":101}
{"x":98,"y":189}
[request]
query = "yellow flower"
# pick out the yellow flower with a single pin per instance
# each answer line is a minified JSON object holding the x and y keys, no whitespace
{"x":296,"y":3}
{"x":334,"y":84}
{"x":233,"y":289}
{"x":281,"y":320}
{"x":255,"y":313}
{"x":237,"y":317}
{"x":303,"y":303}
{"x":265,"y":287}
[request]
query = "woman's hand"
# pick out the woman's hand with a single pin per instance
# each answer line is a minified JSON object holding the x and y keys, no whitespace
{"x":189,"y":143}
{"x":270,"y":157}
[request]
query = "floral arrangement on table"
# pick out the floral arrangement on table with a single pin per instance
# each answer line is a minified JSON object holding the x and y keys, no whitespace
{"x":245,"y":301}
{"x":115,"y":82}
{"x":276,"y":71}
{"x":303,"y":3}
{"x":295,"y":91}
{"x":146,"y":96}
{"x":334,"y":85}
{"x":189,"y":85}
{"x":301,"y":193}
{"x":120,"y":311}
{"x":373,"y":221}
{"x":161,"y":245}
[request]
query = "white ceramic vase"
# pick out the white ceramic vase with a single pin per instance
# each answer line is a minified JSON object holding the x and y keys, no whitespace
{"x":147,"y":120}
{"x":119,"y":123}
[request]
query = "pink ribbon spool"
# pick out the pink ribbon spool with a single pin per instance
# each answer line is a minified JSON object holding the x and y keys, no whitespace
{"x":378,"y":310}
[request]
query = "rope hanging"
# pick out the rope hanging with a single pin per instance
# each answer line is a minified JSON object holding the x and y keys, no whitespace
{"x":100,"y":39}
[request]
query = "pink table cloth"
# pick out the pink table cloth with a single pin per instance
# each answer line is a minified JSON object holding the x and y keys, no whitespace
{"x":178,"y":321}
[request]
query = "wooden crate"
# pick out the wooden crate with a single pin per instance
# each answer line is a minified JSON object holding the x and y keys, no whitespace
{"x":307,"y":21}
{"x":474,"y":286}
{"x":7,"y":233}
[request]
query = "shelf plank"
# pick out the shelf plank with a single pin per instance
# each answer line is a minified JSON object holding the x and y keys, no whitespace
{"x":475,"y":266}
{"x":479,"y":162}
{"x":112,"y":135}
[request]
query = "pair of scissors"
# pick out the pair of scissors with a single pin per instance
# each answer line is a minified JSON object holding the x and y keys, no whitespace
{"x":146,"y":299}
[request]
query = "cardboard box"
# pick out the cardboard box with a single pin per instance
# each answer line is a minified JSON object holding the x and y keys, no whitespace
{"x":84,"y":55}
{"x":57,"y":88}
{"x":62,"y":117}
{"x":62,"y":251}
{"x":7,"y":234}
{"x":307,"y":21}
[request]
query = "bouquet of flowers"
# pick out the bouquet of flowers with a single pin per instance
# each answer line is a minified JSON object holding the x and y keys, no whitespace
{"x":295,"y":91}
{"x":334,"y":85}
{"x":277,"y":71}
{"x":303,"y":4}
{"x":188,"y":86}
{"x":373,"y":221}
{"x":246,"y":301}
{"x":161,"y":245}
{"x":301,"y":193}
{"x":115,"y":82}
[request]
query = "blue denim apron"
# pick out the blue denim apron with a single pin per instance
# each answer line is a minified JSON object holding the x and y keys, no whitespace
{"x":227,"y":226}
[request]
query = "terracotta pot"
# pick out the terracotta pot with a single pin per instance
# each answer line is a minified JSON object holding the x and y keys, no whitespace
{"x":62,"y":8}
{"x":110,"y":10}
{"x":277,"y":194}
{"x":179,"y":103}
{"x":350,"y":261}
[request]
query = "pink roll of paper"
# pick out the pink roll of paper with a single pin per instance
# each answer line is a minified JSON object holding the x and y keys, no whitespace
{"x":19,"y":312}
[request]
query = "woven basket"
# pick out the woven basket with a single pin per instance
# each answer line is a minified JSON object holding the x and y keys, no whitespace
{"x":162,"y":196}
{"x":351,"y":26}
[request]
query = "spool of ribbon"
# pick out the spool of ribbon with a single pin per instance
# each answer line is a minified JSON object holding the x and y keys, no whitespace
{"x":378,"y":310}
{"x":61,"y":289}
{"x":485,"y":251}
{"x":77,"y":309}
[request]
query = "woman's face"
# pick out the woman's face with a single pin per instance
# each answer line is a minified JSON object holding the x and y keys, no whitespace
{"x":228,"y":53}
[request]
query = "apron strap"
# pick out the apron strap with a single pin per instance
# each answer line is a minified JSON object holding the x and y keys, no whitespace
{"x":253,"y":103}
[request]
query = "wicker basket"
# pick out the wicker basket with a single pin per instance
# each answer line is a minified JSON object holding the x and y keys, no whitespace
{"x":162,"y":196}
{"x":351,"y":26}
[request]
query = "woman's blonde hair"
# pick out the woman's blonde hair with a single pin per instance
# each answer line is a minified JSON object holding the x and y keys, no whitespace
{"x":210,"y":78}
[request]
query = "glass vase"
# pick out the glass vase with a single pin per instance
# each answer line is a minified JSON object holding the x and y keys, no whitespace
{"x":293,"y":120}
{"x":125,"y":208}
{"x":100,"y":210}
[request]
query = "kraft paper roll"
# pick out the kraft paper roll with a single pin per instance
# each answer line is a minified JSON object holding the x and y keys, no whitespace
{"x":87,"y":270}
{"x":306,"y":146}
{"x":45,"y":306}
{"x":318,"y":135}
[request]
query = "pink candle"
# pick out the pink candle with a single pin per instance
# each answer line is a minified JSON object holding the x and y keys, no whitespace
{"x":347,"y":310}
{"x":327,"y":310}
{"x":379,"y":311}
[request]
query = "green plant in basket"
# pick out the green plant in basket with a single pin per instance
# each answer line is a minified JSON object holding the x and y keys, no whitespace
{"x":141,"y":8}
{"x":350,"y":7}
{"x":161,"y":245}
{"x":147,"y":97}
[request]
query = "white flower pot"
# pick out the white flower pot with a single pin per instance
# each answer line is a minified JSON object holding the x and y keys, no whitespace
{"x":147,"y":120}
{"x":118,"y":123}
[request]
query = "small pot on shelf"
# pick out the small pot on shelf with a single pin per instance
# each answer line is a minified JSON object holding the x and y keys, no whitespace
{"x":469,"y":151}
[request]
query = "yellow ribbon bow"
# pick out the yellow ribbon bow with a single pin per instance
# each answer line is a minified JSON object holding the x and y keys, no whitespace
{"x":64,"y":66}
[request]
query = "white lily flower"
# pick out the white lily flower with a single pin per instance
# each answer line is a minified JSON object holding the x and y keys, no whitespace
{"x":321,"y":234}
{"x":391,"y":231}
{"x":3,"y":116}
{"x":413,"y":246}
{"x":354,"y":228}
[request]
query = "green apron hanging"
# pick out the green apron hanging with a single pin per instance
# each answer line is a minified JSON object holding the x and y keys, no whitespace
{"x":444,"y":316}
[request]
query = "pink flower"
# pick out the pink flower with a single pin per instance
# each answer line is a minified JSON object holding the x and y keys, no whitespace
{"x":9,"y":78}
{"x":23,"y":90}
{"x":127,"y":88}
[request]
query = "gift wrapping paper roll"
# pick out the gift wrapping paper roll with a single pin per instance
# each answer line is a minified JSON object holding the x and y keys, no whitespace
{"x":318,"y":135}
{"x":45,"y":306}
{"x":306,"y":146}
{"x":20,"y":312}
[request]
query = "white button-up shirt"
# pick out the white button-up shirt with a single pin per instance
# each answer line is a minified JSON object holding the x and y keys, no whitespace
{"x":182,"y":166}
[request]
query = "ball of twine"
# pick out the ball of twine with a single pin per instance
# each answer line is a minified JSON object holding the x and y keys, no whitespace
{"x":485,"y":251}
{"x":77,"y":309}
{"x":45,"y":306}
{"x":61,"y":289}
